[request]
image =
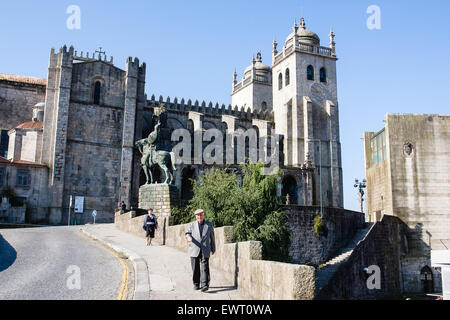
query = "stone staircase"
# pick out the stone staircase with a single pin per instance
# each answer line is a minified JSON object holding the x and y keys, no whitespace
{"x":326,"y":271}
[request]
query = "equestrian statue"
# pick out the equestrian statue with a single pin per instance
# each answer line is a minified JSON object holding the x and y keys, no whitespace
{"x":151,"y":156}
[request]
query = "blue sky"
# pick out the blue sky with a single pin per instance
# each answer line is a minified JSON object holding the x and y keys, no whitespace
{"x":192,"y":48}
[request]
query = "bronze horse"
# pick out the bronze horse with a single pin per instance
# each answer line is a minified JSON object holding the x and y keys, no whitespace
{"x":152,"y":157}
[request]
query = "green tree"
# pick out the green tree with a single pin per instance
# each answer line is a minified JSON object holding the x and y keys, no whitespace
{"x":253,"y":209}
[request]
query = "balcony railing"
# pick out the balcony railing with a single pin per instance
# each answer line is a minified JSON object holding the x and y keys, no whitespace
{"x":258,"y":78}
{"x":303,"y":47}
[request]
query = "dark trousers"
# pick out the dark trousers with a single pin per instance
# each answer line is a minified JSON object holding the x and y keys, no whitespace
{"x":200,"y":271}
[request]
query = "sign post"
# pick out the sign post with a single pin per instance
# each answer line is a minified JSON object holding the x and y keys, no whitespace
{"x":70,"y":207}
{"x":94,"y":213}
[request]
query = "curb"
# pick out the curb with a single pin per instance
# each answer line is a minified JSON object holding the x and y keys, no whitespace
{"x":141,"y":282}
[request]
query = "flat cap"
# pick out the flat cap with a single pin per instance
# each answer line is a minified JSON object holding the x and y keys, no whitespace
{"x":198,"y":211}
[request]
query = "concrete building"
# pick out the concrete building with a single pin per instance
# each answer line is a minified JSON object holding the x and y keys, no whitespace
{"x":407,"y":167}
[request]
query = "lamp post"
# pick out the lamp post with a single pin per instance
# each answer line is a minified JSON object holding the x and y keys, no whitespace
{"x":361,"y":186}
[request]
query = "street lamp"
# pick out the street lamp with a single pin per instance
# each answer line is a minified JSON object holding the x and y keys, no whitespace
{"x":361,"y":186}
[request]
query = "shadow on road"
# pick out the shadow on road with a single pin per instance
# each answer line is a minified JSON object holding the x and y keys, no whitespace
{"x":220,"y":289}
{"x":7,"y":254}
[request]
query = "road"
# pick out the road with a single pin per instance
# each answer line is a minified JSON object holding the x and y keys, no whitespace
{"x":56,"y":263}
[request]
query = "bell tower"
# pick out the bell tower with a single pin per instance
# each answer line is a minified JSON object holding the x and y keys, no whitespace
{"x":305,"y":108}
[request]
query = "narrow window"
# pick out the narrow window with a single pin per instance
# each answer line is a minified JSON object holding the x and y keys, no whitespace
{"x":23,"y":178}
{"x":4,"y":141}
{"x":263,"y":105}
{"x":310,"y":73}
{"x":97,"y":88}
{"x":2,"y":174}
{"x":287,"y":77}
{"x":280,"y":81}
{"x":323,"y":75}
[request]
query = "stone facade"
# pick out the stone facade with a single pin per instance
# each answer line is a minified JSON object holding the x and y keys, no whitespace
{"x":407,"y":165}
{"x":308,"y":248}
{"x":18,"y":95}
{"x":94,"y":112}
{"x":28,"y":180}
{"x":384,"y":246}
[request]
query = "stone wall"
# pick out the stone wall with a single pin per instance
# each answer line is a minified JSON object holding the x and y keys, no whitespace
{"x":258,"y":279}
{"x":16,"y":102}
{"x":384,"y":246}
{"x":35,"y":192}
{"x":414,"y":186}
{"x":306,"y":247}
{"x":93,"y":160}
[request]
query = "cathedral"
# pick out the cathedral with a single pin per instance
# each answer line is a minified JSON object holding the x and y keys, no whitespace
{"x":72,"y":135}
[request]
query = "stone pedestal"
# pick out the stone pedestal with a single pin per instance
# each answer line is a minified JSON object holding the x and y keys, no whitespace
{"x":160,"y":197}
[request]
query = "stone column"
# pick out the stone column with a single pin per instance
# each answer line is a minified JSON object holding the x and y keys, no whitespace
{"x":336,"y":187}
{"x":197,"y":119}
{"x":135,"y":78}
{"x":308,"y":129}
{"x":56,"y":117}
{"x":232,"y":125}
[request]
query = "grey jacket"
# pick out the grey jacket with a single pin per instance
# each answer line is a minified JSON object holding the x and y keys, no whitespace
{"x":205,"y":242}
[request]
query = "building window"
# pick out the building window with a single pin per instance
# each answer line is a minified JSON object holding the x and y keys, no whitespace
{"x":97,"y":89}
{"x":4,"y":140}
{"x":310,"y":73}
{"x":287,"y":80}
{"x":2,"y":174}
{"x":280,"y":81}
{"x":19,"y":201}
{"x":378,"y":145}
{"x":263,"y":105}
{"x":323,"y":75}
{"x":23,"y":178}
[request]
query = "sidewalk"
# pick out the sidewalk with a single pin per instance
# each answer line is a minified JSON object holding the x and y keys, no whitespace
{"x":162,"y":273}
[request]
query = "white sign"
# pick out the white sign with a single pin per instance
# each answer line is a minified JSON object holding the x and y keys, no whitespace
{"x":94,"y":213}
{"x":79,"y":204}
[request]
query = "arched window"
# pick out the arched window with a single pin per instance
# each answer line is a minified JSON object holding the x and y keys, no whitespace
{"x":426,"y":276}
{"x":280,"y":81}
{"x":310,"y":73}
{"x":187,"y":189}
{"x":97,"y":88}
{"x":289,"y":188}
{"x":287,"y":79}
{"x":323,"y":75}
{"x":263,"y":105}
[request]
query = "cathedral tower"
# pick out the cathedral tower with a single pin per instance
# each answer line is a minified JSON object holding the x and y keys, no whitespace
{"x":305,"y":109}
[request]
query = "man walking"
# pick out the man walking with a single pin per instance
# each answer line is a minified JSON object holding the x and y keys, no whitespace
{"x":200,"y":235}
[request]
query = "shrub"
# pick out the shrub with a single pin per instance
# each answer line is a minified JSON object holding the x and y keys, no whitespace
{"x":320,"y":229}
{"x":253,"y":209}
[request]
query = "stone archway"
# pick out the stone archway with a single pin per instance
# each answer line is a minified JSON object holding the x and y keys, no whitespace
{"x":187,"y":190}
{"x":426,"y":277}
{"x":290,"y":187}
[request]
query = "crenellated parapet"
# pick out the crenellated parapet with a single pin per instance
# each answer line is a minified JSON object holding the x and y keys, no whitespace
{"x":209,"y":109}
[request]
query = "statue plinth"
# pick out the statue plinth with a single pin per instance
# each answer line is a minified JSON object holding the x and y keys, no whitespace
{"x":160,"y":197}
